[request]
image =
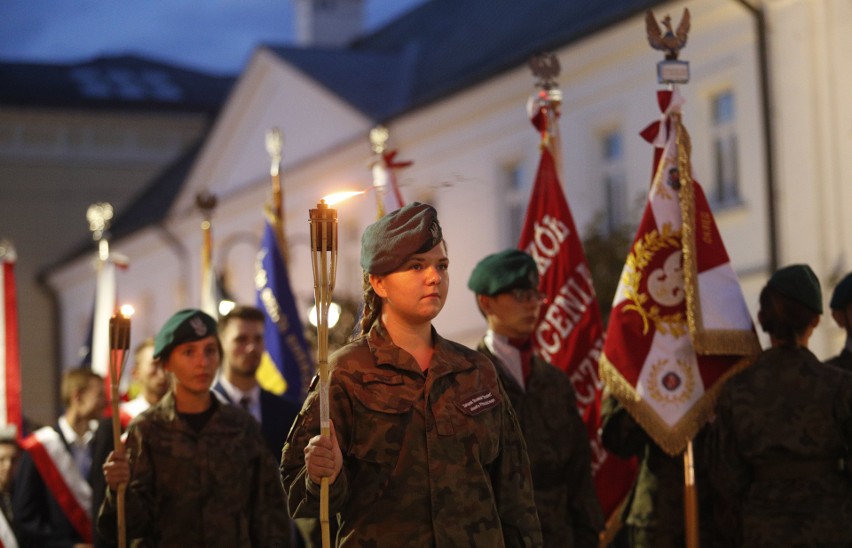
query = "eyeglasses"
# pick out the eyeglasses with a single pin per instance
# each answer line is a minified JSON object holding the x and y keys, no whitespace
{"x":527,"y":295}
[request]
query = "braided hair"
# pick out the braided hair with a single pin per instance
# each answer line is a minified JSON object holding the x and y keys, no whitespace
{"x":372,"y":308}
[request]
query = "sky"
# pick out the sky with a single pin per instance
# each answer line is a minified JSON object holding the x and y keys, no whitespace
{"x":216,"y":36}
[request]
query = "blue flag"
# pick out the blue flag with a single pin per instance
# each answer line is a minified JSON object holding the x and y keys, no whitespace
{"x":287,"y":367}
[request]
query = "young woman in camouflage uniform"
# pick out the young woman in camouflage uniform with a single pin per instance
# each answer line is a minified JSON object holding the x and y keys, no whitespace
{"x":200,"y":473}
{"x":783,"y":429}
{"x":425,"y":448}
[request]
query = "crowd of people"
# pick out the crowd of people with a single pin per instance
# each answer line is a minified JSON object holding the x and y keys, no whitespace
{"x":432,"y":443}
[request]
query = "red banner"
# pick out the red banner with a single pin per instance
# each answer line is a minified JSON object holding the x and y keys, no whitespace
{"x":570,"y":334}
{"x":10,"y":367}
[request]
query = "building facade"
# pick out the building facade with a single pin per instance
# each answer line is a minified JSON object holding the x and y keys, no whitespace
{"x":454,"y":101}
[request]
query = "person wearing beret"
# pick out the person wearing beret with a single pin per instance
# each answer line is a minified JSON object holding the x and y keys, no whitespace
{"x":198,"y":472}
{"x":425,"y":449}
{"x":841,"y":311}
{"x":506,"y":288}
{"x":782,"y":430}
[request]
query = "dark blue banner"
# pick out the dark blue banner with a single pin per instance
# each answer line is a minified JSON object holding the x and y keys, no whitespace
{"x":283,"y":333}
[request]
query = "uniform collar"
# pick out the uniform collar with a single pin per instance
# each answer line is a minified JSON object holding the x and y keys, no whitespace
{"x":445,"y":359}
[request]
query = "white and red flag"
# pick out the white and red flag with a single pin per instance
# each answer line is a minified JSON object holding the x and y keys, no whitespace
{"x":570,"y":332}
{"x":10,"y":365}
{"x":679,"y":324}
{"x":388,"y":196}
{"x":106,"y":293}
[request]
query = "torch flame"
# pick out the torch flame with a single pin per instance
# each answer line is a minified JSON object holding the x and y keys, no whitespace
{"x":337,"y":197}
{"x":126,"y":310}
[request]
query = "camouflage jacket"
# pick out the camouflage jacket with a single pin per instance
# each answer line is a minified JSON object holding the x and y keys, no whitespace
{"x":781,"y":427}
{"x":654,"y":510}
{"x":431,"y":458}
{"x":559,"y":451}
{"x":215,"y":487}
{"x":842,"y":360}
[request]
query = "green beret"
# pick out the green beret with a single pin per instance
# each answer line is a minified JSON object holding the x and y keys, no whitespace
{"x":391,"y":240}
{"x":842,"y":295}
{"x":503,"y":271}
{"x":799,"y":283}
{"x":188,"y":325}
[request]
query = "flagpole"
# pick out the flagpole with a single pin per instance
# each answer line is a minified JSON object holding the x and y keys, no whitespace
{"x":99,"y":215}
{"x":323,"y":222}
{"x":378,"y":140}
{"x":672,"y":71}
{"x":546,"y":68}
{"x":275,"y":147}
{"x":384,"y":166}
{"x":206,"y":203}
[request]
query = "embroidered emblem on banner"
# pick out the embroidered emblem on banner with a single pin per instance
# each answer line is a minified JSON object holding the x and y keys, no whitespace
{"x":477,"y":403}
{"x":660,"y":253}
{"x":671,"y":382}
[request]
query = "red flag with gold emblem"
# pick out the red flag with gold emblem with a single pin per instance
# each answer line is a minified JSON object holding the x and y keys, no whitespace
{"x":679,"y":324}
{"x":570,"y":333}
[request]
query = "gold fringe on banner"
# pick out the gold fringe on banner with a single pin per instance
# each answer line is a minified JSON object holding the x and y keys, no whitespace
{"x":730,"y":342}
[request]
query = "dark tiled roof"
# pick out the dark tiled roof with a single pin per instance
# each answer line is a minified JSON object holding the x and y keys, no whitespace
{"x":444,"y":46}
{"x":127,"y":83}
{"x":150,"y":206}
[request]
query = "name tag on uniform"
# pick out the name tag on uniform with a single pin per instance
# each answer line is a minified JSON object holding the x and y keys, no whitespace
{"x":477,"y":403}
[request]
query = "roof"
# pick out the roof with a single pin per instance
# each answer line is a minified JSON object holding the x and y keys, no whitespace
{"x":150,"y":206}
{"x":125,"y":82}
{"x":430,"y":52}
{"x":444,"y":46}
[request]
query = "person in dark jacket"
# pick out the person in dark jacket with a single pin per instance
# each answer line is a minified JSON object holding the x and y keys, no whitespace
{"x":506,"y":288}
{"x":52,"y":499}
{"x":841,"y":311}
{"x":783,"y":428}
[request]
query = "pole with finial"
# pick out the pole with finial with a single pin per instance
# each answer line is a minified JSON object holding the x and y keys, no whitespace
{"x":544,"y":105}
{"x":384,"y":166}
{"x":119,"y":343}
{"x":206,"y":203}
{"x":99,"y":215}
{"x":323,"y":224}
{"x":672,"y":71}
{"x":275,"y":147}
{"x":378,"y":142}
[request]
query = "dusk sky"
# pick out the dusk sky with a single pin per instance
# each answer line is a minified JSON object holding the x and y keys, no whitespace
{"x":214,"y":35}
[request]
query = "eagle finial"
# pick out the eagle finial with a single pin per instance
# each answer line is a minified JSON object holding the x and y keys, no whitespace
{"x":673,"y":40}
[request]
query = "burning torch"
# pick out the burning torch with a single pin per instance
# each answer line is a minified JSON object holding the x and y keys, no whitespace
{"x":119,"y":343}
{"x":323,"y":221}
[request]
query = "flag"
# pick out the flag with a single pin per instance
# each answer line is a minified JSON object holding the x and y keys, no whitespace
{"x":569,"y":334}
{"x":105,"y":307}
{"x":10,"y":366}
{"x":679,"y":324}
{"x":388,"y":196}
{"x":286,"y":367}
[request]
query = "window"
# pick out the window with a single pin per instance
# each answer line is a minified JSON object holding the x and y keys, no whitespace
{"x":726,"y":191}
{"x":515,"y":191}
{"x":615,"y":208}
